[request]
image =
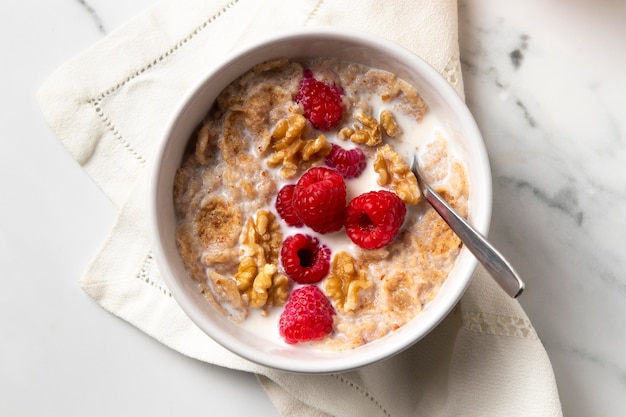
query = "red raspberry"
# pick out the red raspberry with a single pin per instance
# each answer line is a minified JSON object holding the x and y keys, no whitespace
{"x":349,"y":163}
{"x":321,"y":102}
{"x":374,"y":218}
{"x":308,"y":315}
{"x":305,"y":260}
{"x":319,"y":199}
{"x":284,"y":206}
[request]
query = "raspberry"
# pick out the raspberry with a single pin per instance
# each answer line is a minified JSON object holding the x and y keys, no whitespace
{"x":305,"y":260}
{"x":321,"y":102}
{"x":319,"y":199}
{"x":349,"y":163}
{"x":284,"y":206}
{"x":308,"y":315}
{"x":373,"y":219}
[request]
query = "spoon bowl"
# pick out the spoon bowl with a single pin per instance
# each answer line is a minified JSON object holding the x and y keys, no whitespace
{"x":492,"y":260}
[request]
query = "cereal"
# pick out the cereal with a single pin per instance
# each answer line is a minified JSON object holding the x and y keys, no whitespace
{"x":218,"y":222}
{"x":221,"y":292}
{"x":255,"y":140}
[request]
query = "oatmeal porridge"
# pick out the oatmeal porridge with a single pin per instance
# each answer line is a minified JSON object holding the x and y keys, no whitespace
{"x":296,"y":189}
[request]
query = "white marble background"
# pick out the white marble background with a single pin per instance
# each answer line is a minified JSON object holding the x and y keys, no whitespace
{"x":545,"y":80}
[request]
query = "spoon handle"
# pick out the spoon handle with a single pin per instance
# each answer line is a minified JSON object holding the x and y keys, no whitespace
{"x":497,"y":266}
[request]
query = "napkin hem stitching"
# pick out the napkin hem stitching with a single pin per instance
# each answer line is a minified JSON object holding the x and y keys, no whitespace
{"x":156,"y":61}
{"x":96,"y":103}
{"x":314,"y":12}
{"x":452,"y":72}
{"x":144,"y":275}
{"x":363,"y":392}
{"x":498,"y":325}
{"x":98,"y":100}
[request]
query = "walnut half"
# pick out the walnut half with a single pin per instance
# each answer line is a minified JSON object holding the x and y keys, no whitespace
{"x":257,"y":278}
{"x":291,"y":150}
{"x":369,"y":131}
{"x":345,"y":282}
{"x":396,"y":174}
{"x":389,"y":124}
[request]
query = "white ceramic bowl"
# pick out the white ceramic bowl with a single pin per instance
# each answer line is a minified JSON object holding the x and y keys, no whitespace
{"x":347,"y":45}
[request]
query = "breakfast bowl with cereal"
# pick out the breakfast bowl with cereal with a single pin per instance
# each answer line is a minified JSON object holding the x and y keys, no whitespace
{"x":285,"y":218}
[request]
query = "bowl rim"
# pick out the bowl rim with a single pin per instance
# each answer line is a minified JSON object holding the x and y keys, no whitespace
{"x":338,"y":362}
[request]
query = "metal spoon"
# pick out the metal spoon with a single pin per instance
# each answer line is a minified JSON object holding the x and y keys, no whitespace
{"x":497,"y":266}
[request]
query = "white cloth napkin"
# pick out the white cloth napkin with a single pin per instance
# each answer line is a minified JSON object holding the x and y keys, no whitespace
{"x":109,"y":106}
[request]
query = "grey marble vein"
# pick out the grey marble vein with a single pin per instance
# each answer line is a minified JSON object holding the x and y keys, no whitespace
{"x":565,"y":200}
{"x":517,"y":55}
{"x":94,"y":15}
{"x":602,"y":362}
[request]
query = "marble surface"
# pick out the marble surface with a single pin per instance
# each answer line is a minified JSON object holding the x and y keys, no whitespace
{"x":545,"y":81}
